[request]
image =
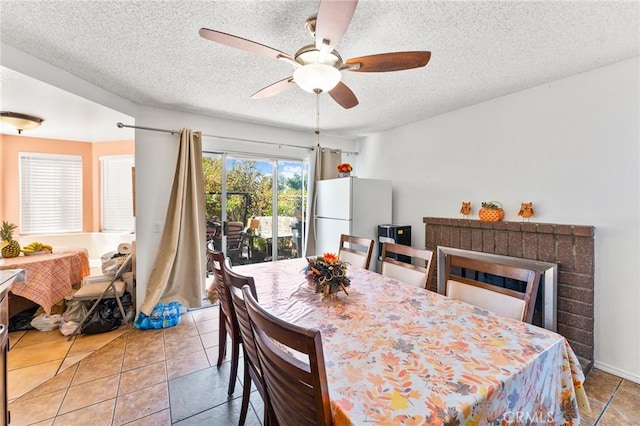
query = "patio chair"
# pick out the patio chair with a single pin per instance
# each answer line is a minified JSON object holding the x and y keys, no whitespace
{"x":237,"y":245}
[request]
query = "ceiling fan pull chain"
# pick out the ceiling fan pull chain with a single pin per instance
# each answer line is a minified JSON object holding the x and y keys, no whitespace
{"x":318,"y":115}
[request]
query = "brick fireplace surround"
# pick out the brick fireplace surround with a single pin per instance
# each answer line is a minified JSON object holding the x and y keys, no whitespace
{"x":570,"y":246}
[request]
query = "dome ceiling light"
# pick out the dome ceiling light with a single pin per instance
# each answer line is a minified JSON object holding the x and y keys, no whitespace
{"x":20,"y":121}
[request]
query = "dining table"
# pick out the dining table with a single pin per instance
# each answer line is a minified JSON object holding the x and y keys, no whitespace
{"x":398,"y":354}
{"x":49,"y":277}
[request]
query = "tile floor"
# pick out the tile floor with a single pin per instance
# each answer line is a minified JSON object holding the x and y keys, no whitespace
{"x":152,"y":377}
{"x":163,"y":377}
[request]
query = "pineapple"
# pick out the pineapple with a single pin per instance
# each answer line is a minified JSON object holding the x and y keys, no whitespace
{"x":12,"y":249}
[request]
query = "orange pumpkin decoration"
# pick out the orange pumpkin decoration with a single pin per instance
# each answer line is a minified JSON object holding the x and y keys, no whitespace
{"x":491,"y":212}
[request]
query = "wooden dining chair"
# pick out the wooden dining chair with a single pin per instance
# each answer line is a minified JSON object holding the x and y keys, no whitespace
{"x":355,"y":250}
{"x":228,"y":323}
{"x":503,"y":301}
{"x":297,"y":388}
{"x":409,"y":273}
{"x":252,"y":370}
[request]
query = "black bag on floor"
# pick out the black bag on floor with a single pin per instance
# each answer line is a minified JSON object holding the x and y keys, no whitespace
{"x":22,"y":320}
{"x":105,"y":317}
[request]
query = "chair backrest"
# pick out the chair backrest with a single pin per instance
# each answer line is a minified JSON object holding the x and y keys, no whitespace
{"x":235,"y":283}
{"x":503,"y":301}
{"x":234,"y":234}
{"x":297,"y":389}
{"x":218,"y":260}
{"x":355,"y":250}
{"x":409,"y":273}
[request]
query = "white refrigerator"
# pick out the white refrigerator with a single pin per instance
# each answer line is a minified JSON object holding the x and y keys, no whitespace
{"x":352,"y":206}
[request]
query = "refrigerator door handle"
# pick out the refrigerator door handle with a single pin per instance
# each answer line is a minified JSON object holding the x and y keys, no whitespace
{"x":315,"y":231}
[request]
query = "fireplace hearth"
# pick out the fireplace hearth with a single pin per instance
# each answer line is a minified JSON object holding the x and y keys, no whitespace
{"x":571,"y":247}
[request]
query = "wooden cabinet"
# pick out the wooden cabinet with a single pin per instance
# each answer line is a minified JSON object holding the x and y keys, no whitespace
{"x":7,"y":278}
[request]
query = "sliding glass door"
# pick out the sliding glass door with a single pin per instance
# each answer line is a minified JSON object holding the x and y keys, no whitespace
{"x":291,"y":206}
{"x":255,"y":206}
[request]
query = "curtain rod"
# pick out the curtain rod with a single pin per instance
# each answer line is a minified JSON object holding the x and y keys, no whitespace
{"x":177,"y":132}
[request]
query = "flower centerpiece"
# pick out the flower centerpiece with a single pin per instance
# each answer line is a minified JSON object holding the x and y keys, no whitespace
{"x":327,"y":273}
{"x":344,"y":169}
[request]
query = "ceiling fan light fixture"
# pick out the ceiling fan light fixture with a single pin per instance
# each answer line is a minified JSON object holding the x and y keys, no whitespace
{"x":313,"y":77}
{"x":318,"y":66}
{"x":20,"y":121}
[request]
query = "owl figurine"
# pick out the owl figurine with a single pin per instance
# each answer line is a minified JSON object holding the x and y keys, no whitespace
{"x":526,"y":211}
{"x":465,"y":210}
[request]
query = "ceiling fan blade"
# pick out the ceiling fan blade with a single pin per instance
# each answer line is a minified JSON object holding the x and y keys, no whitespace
{"x":332,"y":22}
{"x":241,"y":43}
{"x":384,"y":62}
{"x":344,"y":96}
{"x":272,"y":89}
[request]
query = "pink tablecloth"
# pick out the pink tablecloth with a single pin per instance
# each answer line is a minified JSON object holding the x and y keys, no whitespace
{"x":50,"y":277}
{"x":397,"y":354}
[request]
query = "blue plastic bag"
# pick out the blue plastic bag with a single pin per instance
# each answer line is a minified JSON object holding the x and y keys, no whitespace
{"x":164,"y":315}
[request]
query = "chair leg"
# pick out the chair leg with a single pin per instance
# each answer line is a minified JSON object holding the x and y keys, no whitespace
{"x":122,"y":312}
{"x":235,"y":356}
{"x":222,"y":338}
{"x":246,"y":393}
{"x":267,"y":418}
{"x":269,"y":415}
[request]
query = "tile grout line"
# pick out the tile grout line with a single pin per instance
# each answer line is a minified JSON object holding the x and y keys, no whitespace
{"x":604,"y":409}
{"x":124,"y":352}
{"x":66,"y":391}
{"x":166,"y":373}
{"x":66,"y":355}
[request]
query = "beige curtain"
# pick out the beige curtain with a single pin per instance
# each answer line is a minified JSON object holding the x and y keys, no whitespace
{"x":323,"y":166}
{"x":179,"y":271}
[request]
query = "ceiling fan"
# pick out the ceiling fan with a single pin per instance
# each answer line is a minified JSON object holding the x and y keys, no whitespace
{"x":317,"y":67}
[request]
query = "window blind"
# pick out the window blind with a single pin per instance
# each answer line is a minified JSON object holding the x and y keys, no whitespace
{"x":50,"y":193}
{"x":117,"y":193}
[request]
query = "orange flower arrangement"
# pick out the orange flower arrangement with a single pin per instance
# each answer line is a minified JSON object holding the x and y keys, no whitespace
{"x":345,"y":168}
{"x":328,"y":274}
{"x":331,"y":258}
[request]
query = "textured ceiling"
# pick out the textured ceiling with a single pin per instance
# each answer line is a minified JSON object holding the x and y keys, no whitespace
{"x":150,"y":53}
{"x":66,"y":116}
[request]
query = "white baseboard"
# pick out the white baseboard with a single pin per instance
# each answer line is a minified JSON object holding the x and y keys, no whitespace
{"x":616,"y":371}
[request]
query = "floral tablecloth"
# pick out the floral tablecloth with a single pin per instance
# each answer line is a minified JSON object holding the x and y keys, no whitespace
{"x":396,"y":354}
{"x":50,"y":277}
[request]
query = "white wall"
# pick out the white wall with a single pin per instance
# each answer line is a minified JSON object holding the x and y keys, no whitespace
{"x":571,"y":147}
{"x":156,"y":155}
